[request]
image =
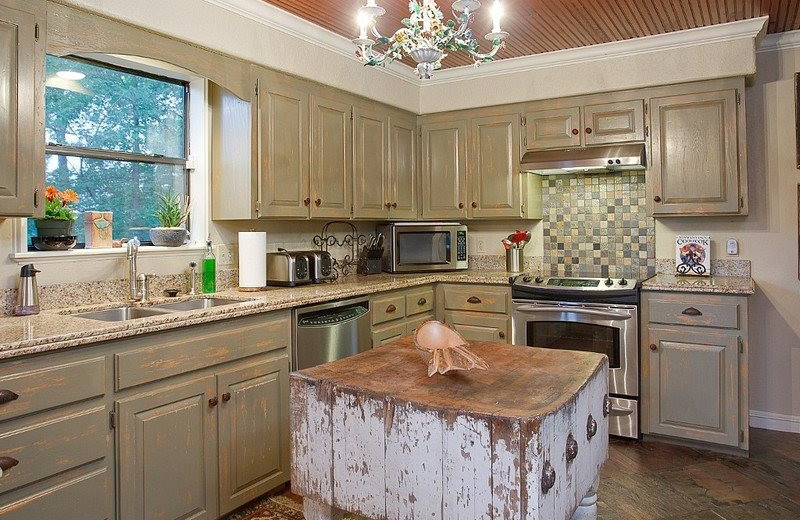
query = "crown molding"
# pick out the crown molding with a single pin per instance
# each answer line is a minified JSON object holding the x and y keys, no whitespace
{"x":752,"y":28}
{"x":287,"y":23}
{"x":780,"y":41}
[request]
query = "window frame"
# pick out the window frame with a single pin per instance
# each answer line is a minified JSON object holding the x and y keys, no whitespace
{"x":196,"y":161}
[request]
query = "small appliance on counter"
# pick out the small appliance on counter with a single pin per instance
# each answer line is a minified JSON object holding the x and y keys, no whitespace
{"x":320,"y":264}
{"x":416,"y":247}
{"x":288,"y":268}
{"x":370,"y":261}
{"x":27,"y":292}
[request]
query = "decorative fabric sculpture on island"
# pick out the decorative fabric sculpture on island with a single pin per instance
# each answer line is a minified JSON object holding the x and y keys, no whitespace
{"x":445,"y":349}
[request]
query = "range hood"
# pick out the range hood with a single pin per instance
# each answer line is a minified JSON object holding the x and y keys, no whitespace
{"x":600,"y":159}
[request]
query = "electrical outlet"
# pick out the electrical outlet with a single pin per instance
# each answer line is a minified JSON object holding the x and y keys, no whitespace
{"x":480,"y":246}
{"x":732,"y":247}
{"x":224,"y":254}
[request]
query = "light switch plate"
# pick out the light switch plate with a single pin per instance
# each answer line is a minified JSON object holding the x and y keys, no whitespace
{"x":733,"y":247}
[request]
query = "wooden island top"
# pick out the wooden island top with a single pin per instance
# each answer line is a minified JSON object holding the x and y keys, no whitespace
{"x":372,"y":434}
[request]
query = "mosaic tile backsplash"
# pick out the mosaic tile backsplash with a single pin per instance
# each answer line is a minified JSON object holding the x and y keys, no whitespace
{"x":597,"y":225}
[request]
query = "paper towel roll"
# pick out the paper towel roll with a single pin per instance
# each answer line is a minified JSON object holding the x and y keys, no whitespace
{"x":252,"y":259}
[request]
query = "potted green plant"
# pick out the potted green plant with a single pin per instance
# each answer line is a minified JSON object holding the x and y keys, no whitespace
{"x":171,"y":214}
{"x":54,"y":231}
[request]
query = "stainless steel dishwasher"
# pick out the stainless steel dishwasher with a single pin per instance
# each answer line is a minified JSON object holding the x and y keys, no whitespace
{"x":331,"y":331}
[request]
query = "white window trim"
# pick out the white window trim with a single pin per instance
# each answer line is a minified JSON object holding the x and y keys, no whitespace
{"x":197,"y":164}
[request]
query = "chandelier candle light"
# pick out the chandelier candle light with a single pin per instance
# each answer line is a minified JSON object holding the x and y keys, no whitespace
{"x":425,"y":36}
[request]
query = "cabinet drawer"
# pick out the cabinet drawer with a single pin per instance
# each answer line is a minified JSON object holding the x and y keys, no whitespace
{"x":388,"y":333}
{"x":476,"y":298}
{"x":86,"y":497}
{"x":419,"y":301}
{"x":54,"y":446}
{"x":412,"y":324}
{"x":38,"y":387}
{"x":695,"y":312}
{"x":388,"y":308}
{"x":479,"y":327}
{"x":173,"y":353}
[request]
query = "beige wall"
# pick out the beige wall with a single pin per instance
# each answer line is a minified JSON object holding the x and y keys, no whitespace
{"x":768,"y":236}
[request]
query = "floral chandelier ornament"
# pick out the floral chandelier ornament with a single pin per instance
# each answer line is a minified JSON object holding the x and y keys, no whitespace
{"x":425,"y":36}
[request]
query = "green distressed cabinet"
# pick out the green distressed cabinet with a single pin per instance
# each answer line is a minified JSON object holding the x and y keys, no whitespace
{"x":331,"y":157}
{"x":443,"y":177}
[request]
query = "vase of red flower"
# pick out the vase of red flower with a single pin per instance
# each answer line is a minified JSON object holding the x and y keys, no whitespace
{"x":54,"y":231}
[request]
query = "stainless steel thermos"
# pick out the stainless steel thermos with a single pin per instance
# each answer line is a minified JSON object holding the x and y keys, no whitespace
{"x":27,"y":292}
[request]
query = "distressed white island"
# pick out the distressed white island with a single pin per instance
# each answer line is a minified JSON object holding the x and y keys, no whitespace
{"x":525,"y":440}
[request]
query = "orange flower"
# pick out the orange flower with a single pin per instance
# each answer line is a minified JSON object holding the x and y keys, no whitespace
{"x":51,"y":193}
{"x":69,"y":196}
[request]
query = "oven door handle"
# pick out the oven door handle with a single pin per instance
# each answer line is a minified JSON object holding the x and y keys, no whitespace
{"x":576,"y":310}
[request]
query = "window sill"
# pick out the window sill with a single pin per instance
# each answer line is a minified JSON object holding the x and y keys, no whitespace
{"x":104,"y":253}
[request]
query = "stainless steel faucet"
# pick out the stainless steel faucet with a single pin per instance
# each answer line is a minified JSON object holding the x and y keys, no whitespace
{"x":139,"y":283}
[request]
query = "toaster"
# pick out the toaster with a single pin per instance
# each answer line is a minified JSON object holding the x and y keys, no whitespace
{"x":320,"y":265}
{"x":288,"y":268}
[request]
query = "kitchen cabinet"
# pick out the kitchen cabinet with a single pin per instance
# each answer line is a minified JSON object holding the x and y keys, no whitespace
{"x":494,"y":167}
{"x":22,"y":43}
{"x":283,"y":146}
{"x":443,"y":179}
{"x":388,"y":333}
{"x":253,"y":431}
{"x":697,"y":163}
{"x":403,"y":168}
{"x":371,"y":191}
{"x":331,"y":158}
{"x":398,"y":313}
{"x":553,"y":128}
{"x":167,"y":447}
{"x":694,"y":367}
{"x":479,"y":327}
{"x":477,"y":312}
{"x":613,"y":123}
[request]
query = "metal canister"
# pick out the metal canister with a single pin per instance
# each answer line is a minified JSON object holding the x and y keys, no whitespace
{"x":514,"y":260}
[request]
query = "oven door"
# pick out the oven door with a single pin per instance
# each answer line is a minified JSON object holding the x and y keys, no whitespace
{"x":608,"y":329}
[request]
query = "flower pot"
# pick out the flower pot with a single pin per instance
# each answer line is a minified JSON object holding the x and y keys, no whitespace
{"x":169,"y":237}
{"x":50,"y":227}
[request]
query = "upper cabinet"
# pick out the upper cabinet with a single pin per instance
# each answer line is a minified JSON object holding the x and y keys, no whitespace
{"x":331,"y":158}
{"x":22,"y":30}
{"x":612,"y":123}
{"x":697,"y":164}
{"x":371,"y":188}
{"x":556,"y":128}
{"x":444,"y":169}
{"x":403,"y":168}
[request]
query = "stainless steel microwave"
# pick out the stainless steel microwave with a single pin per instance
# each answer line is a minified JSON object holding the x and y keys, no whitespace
{"x":413,"y":247}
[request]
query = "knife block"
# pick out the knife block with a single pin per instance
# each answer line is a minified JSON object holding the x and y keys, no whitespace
{"x":369,"y":261}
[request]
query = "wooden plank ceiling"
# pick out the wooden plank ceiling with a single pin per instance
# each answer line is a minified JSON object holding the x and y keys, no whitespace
{"x":538,"y":26}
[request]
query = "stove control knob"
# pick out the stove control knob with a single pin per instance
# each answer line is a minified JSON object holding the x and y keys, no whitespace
{"x":527,"y":279}
{"x":609,"y":282}
{"x":623,"y":282}
{"x":539,"y":279}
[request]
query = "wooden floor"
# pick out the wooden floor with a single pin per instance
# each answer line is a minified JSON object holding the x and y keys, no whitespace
{"x":644,"y":480}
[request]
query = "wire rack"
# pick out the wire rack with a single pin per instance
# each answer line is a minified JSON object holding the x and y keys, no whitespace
{"x":344,"y":250}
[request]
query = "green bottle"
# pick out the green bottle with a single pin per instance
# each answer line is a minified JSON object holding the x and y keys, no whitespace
{"x":209,"y":269}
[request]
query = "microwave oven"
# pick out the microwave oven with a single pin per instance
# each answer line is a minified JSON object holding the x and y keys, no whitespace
{"x":414,"y":247}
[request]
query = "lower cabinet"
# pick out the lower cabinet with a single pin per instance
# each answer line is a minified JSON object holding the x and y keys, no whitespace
{"x":388,"y":333}
{"x":479,"y":327}
{"x":399,"y":313}
{"x":477,"y":312}
{"x":167,"y":449}
{"x":694,"y":385}
{"x":253,"y":431}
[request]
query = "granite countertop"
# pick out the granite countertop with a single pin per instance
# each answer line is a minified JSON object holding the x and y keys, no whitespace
{"x":735,"y":285}
{"x":58,"y":328}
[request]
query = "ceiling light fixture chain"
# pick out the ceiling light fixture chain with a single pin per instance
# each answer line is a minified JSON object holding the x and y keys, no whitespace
{"x":425,"y":36}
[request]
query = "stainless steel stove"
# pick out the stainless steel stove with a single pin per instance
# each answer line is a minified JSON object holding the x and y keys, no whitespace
{"x":587,"y":314}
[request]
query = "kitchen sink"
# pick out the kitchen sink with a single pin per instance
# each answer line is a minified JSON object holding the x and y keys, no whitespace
{"x":193,"y":305}
{"x":123,"y":313}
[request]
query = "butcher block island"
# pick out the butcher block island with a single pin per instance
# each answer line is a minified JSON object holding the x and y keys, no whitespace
{"x":372,"y":434}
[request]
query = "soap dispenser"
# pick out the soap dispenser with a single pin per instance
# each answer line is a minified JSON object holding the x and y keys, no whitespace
{"x":27,"y":292}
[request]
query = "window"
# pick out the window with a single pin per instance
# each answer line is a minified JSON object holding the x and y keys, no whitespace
{"x":117,"y":137}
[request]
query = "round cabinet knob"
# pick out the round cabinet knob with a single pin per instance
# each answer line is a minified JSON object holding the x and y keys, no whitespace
{"x":388,"y":205}
{"x":548,"y":477}
{"x":214,"y":401}
{"x":572,"y":448}
{"x":474,"y":204}
{"x":591,"y":427}
{"x":460,"y":205}
{"x":394,"y":205}
{"x":318,"y":202}
{"x":657,"y":199}
{"x":307,"y":202}
{"x":226,"y":397}
{"x":575,"y":131}
{"x":588,"y":130}
{"x":502,"y":335}
{"x":653,"y":347}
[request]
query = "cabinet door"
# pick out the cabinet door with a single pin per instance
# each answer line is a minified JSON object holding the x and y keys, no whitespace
{"x":694,"y":384}
{"x":167,"y":463}
{"x":479,"y":327}
{"x":403,"y":169}
{"x":21,"y":92}
{"x":556,"y":128}
{"x":494,"y":167}
{"x":371,"y":189}
{"x":253,"y":431}
{"x":611,"y":123}
{"x":695,"y":167}
{"x":388,"y":333}
{"x":283,"y":147}
{"x":444,"y":170}
{"x":331,"y":160}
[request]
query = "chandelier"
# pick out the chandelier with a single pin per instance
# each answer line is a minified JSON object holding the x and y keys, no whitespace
{"x":425,"y":36}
